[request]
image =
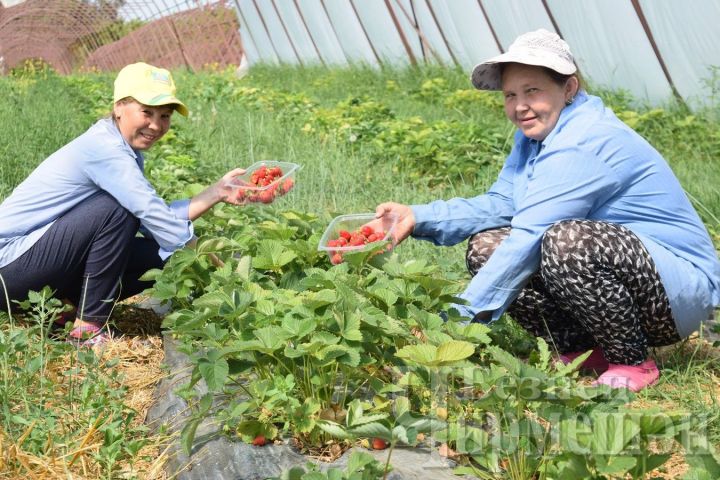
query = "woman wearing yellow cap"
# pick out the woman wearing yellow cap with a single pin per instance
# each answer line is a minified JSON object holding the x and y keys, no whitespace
{"x":586,"y":238}
{"x":72,"y":223}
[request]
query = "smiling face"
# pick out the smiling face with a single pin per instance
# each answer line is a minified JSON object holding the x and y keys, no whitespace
{"x":142,"y":125}
{"x":533,"y":99}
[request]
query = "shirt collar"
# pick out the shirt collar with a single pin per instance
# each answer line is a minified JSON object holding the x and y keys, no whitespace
{"x":580,"y":98}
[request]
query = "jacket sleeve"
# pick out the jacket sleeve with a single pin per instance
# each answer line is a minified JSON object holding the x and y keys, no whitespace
{"x":448,"y":222}
{"x":120,"y":176}
{"x":563,"y":185}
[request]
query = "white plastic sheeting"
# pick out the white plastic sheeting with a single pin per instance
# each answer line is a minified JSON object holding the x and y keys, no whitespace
{"x":322,"y":32}
{"x":405,"y":13}
{"x":510,"y":18}
{"x":474,"y":34}
{"x":611,"y":47}
{"x":252,"y":26}
{"x":380,"y":29}
{"x":284,"y":48}
{"x":426,"y":23}
{"x":294,"y":25}
{"x":618,"y":44}
{"x":250,"y":50}
{"x":689,"y":43}
{"x":349,"y":31}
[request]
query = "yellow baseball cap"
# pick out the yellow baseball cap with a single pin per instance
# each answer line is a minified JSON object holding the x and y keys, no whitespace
{"x":148,"y":85}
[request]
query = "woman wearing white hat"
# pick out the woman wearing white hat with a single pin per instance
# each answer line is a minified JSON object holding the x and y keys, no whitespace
{"x":586,"y":238}
{"x":72,"y":223}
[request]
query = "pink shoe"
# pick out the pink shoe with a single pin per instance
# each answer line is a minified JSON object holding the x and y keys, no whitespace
{"x":88,"y":336}
{"x":595,"y":362}
{"x":632,"y":377}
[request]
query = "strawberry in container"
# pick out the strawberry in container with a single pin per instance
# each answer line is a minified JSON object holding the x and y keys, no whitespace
{"x":264,"y":182}
{"x":356,"y":233}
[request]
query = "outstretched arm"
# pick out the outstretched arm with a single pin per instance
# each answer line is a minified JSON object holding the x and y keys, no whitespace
{"x":215,"y":193}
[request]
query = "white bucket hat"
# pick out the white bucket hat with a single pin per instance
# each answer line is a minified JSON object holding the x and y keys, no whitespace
{"x":540,"y":48}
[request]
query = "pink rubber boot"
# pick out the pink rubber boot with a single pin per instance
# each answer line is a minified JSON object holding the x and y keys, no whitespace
{"x":632,"y":377}
{"x":595,"y":362}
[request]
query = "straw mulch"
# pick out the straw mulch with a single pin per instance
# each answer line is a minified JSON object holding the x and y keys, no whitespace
{"x":140,"y":354}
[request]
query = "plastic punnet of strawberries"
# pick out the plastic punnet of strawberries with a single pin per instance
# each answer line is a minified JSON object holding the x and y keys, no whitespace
{"x":264,"y":185}
{"x":364,"y":235}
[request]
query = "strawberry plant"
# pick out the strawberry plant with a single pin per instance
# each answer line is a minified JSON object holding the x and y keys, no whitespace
{"x":360,"y":466}
{"x":53,"y":393}
{"x":402,"y":427}
{"x":291,"y":341}
{"x":531,"y":420}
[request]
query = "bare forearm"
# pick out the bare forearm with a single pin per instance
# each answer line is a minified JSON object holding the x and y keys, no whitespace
{"x":202,"y":202}
{"x":218,"y":192}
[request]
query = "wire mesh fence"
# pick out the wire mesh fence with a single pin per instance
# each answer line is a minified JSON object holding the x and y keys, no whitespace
{"x":108,"y":34}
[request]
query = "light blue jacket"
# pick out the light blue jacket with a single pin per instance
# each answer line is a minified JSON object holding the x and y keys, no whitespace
{"x":99,"y":159}
{"x":591,"y":166}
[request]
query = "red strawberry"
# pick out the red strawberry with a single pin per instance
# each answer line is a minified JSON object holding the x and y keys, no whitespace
{"x":378,"y":444}
{"x":345,"y":234}
{"x":267,"y":196}
{"x":259,"y":441}
{"x":288,"y":184}
{"x":336,"y":259}
{"x":367,"y":231}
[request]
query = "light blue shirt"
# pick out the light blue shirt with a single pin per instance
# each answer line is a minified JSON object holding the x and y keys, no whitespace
{"x":591,"y":166}
{"x":99,"y":159}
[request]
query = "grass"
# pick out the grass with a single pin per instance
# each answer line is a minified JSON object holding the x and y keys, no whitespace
{"x":38,"y":115}
{"x":36,"y":120}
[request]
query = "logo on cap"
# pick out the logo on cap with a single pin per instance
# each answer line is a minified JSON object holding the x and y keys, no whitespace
{"x":161,"y":77}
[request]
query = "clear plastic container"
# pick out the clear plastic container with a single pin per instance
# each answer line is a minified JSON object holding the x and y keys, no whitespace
{"x":353,"y":223}
{"x":249,"y":192}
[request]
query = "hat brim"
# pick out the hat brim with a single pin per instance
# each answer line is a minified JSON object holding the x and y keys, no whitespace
{"x":487,"y":75}
{"x":165,"y":99}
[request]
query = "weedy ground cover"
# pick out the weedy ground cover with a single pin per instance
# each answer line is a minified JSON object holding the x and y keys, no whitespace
{"x":324,"y":353}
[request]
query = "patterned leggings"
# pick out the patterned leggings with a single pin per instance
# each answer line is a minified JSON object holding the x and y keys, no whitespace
{"x":597,"y":286}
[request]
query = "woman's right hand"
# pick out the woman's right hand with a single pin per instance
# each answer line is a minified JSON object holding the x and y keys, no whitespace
{"x":405,"y":219}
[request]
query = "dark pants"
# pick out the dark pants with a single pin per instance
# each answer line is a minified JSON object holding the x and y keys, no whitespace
{"x":90,"y":256}
{"x":597,"y":286}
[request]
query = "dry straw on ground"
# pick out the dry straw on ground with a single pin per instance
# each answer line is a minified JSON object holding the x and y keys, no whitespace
{"x":140,"y":354}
